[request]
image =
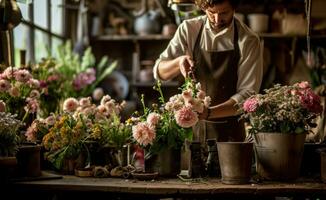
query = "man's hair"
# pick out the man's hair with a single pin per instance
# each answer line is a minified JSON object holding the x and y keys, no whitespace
{"x":204,"y":4}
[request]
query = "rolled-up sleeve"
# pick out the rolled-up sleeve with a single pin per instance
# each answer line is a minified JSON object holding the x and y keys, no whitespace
{"x":177,"y":46}
{"x":250,"y":70}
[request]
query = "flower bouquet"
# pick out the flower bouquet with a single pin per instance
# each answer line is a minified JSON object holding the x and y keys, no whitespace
{"x":284,"y":109}
{"x":165,"y":128}
{"x":81,"y":121}
{"x":280,"y":120}
{"x":20,"y":92}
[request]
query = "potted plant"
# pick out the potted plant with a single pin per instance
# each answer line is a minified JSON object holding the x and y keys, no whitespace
{"x":66,"y":142}
{"x":9,"y":140}
{"x":20,"y":92}
{"x":279,"y":121}
{"x":162,"y":130}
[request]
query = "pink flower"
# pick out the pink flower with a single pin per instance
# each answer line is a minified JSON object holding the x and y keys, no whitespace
{"x":50,"y":120}
{"x":304,"y":84}
{"x":143,"y":133}
{"x":70,"y":105}
{"x":31,"y":132}
{"x":102,"y":109}
{"x":9,"y":72}
{"x":310,"y":101}
{"x":201,"y":94}
{"x":34,"y":83}
{"x":14,"y":91}
{"x":250,"y":105}
{"x":187,"y":95}
{"x":32,"y":105}
{"x":207,"y":101}
{"x":98,"y":93}
{"x":22,"y":75}
{"x":85,"y":102}
{"x":2,"y":106}
{"x":35,"y":94}
{"x":153,"y":119}
{"x":186,"y":117}
{"x":198,"y":106}
{"x":105,"y":99}
{"x":4,"y":85}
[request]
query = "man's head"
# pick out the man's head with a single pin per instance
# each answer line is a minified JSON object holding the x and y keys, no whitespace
{"x":219,"y":12}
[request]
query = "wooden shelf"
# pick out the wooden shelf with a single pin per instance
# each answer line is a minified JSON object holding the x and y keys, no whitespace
{"x":132,"y":37}
{"x":279,"y":35}
{"x":151,"y":84}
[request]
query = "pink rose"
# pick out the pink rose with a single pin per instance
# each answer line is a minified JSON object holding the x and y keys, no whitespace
{"x":250,"y":105}
{"x":310,"y":101}
{"x":186,"y":117}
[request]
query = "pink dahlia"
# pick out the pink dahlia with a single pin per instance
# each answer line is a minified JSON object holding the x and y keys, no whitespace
{"x":186,"y":117}
{"x":70,"y":105}
{"x":250,"y":105}
{"x":153,"y":119}
{"x":143,"y":133}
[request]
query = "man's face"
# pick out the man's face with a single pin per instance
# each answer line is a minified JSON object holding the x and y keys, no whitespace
{"x":220,"y":16}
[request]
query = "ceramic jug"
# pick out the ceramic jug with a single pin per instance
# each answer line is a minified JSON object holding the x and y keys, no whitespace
{"x":147,"y":23}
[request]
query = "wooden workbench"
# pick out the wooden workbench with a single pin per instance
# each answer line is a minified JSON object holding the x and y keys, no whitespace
{"x":68,"y":187}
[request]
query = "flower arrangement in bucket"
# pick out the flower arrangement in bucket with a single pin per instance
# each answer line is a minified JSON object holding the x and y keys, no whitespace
{"x":167,"y":126}
{"x":279,"y":121}
{"x":283,"y":109}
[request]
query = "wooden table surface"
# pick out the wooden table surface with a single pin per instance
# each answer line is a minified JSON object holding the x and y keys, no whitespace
{"x":302,"y":187}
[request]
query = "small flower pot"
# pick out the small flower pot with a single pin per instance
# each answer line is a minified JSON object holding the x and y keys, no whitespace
{"x":235,"y":159}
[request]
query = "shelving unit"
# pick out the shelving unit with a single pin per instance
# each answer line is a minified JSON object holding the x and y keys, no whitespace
{"x":132,"y":51}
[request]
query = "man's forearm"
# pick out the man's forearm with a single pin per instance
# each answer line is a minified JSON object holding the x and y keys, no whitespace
{"x":225,"y":109}
{"x":168,"y":69}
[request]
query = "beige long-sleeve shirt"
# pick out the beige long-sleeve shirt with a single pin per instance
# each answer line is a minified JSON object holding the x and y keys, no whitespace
{"x":250,"y":70}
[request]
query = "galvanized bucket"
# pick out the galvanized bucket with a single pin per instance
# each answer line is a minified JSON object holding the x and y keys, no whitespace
{"x":235,"y":160}
{"x":278,"y":155}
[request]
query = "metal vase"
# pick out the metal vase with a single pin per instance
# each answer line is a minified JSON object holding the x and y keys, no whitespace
{"x":235,"y":160}
{"x":166,"y":162}
{"x":279,"y":155}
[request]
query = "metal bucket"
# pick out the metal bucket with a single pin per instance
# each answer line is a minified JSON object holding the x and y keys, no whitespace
{"x":166,"y":162}
{"x":279,"y":155}
{"x":235,"y":160}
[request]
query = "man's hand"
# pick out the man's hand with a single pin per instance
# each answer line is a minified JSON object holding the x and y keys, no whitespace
{"x":186,"y":65}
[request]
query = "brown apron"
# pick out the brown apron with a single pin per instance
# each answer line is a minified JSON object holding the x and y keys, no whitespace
{"x":219,"y":80}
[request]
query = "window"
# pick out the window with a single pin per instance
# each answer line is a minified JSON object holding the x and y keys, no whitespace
{"x":41,"y":30}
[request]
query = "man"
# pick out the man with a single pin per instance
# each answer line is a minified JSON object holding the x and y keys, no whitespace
{"x":225,"y":56}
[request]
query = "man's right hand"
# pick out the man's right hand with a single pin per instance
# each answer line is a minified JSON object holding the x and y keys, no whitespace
{"x":186,"y":65}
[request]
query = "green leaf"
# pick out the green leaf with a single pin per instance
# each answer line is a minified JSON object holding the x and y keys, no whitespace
{"x":103,"y":63}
